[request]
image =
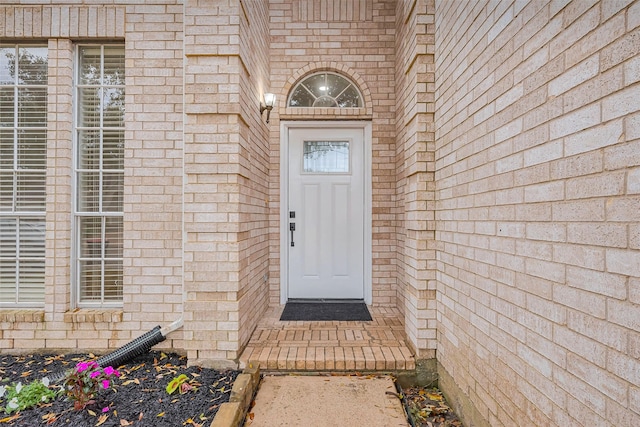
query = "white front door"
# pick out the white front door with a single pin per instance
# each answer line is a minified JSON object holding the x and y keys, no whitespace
{"x":325,"y":213}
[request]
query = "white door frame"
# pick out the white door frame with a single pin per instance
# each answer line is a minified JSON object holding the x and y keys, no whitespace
{"x":284,"y":199}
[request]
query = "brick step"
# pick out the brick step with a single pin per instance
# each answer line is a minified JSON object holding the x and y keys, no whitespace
{"x":378,"y":345}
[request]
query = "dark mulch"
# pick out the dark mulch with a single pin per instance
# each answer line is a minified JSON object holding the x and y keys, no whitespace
{"x":137,"y":398}
{"x":428,"y":408}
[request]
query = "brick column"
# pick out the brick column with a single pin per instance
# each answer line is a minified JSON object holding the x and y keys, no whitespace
{"x":211,"y":187}
{"x":59,"y":196}
{"x":415,"y":174}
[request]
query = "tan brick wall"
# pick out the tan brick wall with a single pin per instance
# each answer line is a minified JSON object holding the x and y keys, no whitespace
{"x":153,"y":170}
{"x":504,"y":133}
{"x":153,"y":181}
{"x":415,"y":153}
{"x":537,"y":161}
{"x":309,"y":36}
{"x":254,"y":197}
{"x":59,"y":165}
{"x":226,"y":166}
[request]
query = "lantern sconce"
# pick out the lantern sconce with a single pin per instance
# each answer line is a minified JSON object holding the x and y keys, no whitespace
{"x":269,"y":102}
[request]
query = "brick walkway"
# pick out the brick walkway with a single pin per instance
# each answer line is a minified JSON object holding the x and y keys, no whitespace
{"x":330,"y":346}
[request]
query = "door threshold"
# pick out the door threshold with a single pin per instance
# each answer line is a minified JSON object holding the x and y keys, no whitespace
{"x":326,"y":300}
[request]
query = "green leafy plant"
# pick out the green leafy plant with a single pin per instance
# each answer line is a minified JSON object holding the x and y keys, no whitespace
{"x":179,"y":383}
{"x":19,"y":397}
{"x":83,"y":383}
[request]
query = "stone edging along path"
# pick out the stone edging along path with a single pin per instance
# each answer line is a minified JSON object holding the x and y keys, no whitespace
{"x":233,"y":413}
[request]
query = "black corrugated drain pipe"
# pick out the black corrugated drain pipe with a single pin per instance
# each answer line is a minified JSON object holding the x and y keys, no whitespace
{"x":135,"y":348}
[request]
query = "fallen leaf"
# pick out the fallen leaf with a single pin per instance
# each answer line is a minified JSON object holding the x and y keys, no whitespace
{"x":124,"y":422}
{"x":50,"y":417}
{"x":9,"y":419}
{"x":93,"y":414}
{"x":434,"y":396}
{"x":185,"y":387}
{"x":251,"y":416}
{"x":102,"y":419}
{"x":25,"y":374}
{"x":161,"y":414}
{"x":140,"y":416}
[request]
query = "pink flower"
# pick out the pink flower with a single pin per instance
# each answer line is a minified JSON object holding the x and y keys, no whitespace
{"x":94,"y":374}
{"x":106,"y":409}
{"x":110,"y":371}
{"x":105,"y":384}
{"x":82,"y":366}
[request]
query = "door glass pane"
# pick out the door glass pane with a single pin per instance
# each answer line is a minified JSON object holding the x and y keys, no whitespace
{"x":326,"y":157}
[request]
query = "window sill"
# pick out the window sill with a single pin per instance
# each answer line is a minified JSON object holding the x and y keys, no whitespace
{"x":20,"y":316}
{"x":93,"y":316}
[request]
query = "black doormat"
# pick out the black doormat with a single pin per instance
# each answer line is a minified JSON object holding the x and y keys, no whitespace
{"x":344,"y":311}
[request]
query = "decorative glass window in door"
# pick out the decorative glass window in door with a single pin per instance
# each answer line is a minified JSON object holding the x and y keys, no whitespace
{"x":325,"y":90}
{"x":326,"y":157}
{"x":23,"y":167}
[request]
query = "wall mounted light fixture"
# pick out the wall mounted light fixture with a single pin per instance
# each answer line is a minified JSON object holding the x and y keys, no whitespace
{"x":269,"y":103}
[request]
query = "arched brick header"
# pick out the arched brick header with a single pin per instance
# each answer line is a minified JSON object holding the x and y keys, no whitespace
{"x":315,"y":67}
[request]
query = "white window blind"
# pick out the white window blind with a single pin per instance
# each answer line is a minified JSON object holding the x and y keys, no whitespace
{"x":99,"y":171}
{"x":23,"y":161}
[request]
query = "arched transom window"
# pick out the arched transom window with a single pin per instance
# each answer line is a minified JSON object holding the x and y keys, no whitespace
{"x":325,"y":89}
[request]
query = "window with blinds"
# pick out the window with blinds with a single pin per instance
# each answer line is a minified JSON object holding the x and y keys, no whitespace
{"x":23,"y":161}
{"x":99,"y":174}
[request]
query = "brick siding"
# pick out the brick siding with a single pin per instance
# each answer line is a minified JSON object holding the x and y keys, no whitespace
{"x":536,"y":209}
{"x":505,"y":173}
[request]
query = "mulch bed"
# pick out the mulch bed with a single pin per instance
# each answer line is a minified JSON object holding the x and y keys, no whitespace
{"x":137,"y":398}
{"x":427,"y":407}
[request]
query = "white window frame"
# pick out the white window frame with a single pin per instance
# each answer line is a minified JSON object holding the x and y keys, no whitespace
{"x":14,"y":213}
{"x":101,"y":214}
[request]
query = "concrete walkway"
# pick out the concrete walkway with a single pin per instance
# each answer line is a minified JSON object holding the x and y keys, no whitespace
{"x":326,"y":401}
